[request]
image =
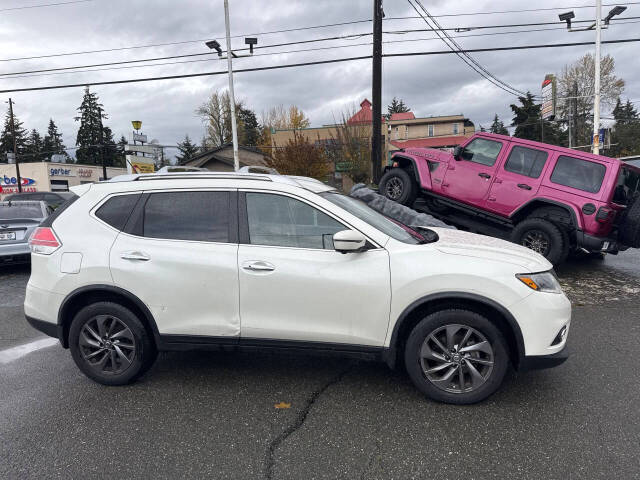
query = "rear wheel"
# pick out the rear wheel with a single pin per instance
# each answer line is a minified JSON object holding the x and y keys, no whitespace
{"x":399,"y":186}
{"x":456,"y":356}
{"x":630,"y":225}
{"x":542,"y":237}
{"x":110,"y":345}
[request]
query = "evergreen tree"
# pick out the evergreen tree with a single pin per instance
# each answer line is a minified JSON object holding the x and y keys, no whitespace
{"x":90,"y":133}
{"x":626,"y":131}
{"x":121,"y":159}
{"x":34,"y":148}
{"x":52,"y":143}
{"x":187,"y":150}
{"x":6,"y":138}
{"x":498,"y":126}
{"x":528,"y":124}
{"x":249,"y":129}
{"x":396,"y":106}
{"x":109,"y":148}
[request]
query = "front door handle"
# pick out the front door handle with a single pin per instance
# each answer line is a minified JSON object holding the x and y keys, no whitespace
{"x":135,"y":255}
{"x":524,"y":186}
{"x":484,"y":175}
{"x":258,"y":266}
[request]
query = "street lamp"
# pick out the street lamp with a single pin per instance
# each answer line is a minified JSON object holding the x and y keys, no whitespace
{"x":214,"y":45}
{"x":566,"y":17}
{"x":613,"y":12}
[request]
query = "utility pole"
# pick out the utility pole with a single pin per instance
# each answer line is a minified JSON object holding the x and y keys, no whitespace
{"x":15,"y":146}
{"x":232,"y":99}
{"x":376,"y":144}
{"x":596,"y":103}
{"x":574,"y":115}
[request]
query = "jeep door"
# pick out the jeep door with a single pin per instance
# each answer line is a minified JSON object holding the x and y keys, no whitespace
{"x":178,"y":254}
{"x":517,"y":179}
{"x":295,"y":286}
{"x":469,"y":178}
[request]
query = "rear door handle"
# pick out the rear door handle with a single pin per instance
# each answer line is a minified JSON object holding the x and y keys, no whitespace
{"x":134,"y":255}
{"x":258,"y":266}
{"x":524,"y":186}
{"x":484,"y":175}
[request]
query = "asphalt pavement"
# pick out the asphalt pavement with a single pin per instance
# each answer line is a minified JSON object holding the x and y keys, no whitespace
{"x":214,"y":415}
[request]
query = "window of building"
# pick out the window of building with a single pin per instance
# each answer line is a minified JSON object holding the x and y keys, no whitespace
{"x":482,"y":151}
{"x":430,"y":130}
{"x":59,"y":186}
{"x":456,"y":127}
{"x":406,"y":131}
{"x":577,"y":173}
{"x":197,"y":216}
{"x":116,"y":210}
{"x":526,"y":161}
{"x":286,"y":222}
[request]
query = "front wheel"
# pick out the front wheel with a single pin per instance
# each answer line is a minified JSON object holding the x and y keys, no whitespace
{"x":456,"y":356}
{"x":397,"y":185}
{"x":542,"y":237}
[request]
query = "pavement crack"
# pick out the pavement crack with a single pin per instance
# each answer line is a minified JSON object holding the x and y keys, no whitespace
{"x":299,"y":420}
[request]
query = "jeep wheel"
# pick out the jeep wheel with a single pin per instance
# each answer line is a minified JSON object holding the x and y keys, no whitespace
{"x":630,"y":225}
{"x":397,"y":185}
{"x":542,"y":237}
{"x":456,"y":356}
{"x":109,"y":344}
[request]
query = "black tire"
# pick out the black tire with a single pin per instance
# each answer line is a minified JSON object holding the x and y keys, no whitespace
{"x":417,"y":364}
{"x":629,"y":230}
{"x":110,"y":344}
{"x":399,"y":186}
{"x":543,"y":237}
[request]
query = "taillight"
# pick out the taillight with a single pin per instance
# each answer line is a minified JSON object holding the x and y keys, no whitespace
{"x":604,"y":214}
{"x":44,"y":240}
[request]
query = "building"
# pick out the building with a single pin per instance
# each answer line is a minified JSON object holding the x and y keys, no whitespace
{"x":51,"y":177}
{"x":401,"y":130}
{"x":220,"y":159}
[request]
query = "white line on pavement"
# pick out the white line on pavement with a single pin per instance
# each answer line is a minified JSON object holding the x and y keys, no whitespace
{"x":14,"y":353}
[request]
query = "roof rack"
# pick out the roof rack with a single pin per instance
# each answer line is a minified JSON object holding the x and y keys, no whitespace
{"x":190,"y":175}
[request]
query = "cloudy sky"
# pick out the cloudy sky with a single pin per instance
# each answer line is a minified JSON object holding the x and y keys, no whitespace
{"x":430,"y":85}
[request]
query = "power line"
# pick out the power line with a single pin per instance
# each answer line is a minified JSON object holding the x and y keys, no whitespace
{"x":44,"y":5}
{"x":318,"y":62}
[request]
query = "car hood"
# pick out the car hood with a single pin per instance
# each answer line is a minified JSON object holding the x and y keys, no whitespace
{"x":456,"y":242}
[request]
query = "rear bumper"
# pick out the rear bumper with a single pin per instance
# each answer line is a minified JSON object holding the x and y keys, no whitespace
{"x":597,"y":244}
{"x":52,"y":329}
{"x":15,"y":253}
{"x":536,"y":362}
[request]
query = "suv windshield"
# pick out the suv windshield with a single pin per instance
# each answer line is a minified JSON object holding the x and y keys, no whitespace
{"x":14,"y":211}
{"x":365,"y":213}
{"x":627,"y":185}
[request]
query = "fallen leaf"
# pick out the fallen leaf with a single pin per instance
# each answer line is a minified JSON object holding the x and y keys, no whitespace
{"x":282,"y":405}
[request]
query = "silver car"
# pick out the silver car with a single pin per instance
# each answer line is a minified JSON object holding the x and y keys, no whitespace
{"x":18,"y":219}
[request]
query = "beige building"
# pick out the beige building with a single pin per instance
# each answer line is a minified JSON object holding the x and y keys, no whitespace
{"x":221,"y":159}
{"x":51,"y":177}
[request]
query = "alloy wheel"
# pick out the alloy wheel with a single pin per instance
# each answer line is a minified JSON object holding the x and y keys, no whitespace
{"x":537,"y":240}
{"x":394,"y":188}
{"x":456,"y":358}
{"x":107,"y":344}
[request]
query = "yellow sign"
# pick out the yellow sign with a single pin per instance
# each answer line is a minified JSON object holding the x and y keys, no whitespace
{"x":142,"y":167}
{"x":137,"y":124}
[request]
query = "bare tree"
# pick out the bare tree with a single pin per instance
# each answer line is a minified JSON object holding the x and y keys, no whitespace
{"x":280,"y":118}
{"x":353,"y":142}
{"x":300,"y":157}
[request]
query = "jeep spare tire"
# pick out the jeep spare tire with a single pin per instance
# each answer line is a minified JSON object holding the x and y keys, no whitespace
{"x":542,"y":237}
{"x":630,"y":225}
{"x":397,"y":185}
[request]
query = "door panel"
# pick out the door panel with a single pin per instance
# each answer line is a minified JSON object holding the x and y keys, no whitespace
{"x":314,"y":295}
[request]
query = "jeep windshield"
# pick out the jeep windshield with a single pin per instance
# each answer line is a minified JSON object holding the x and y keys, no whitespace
{"x":394,"y":229}
{"x":627,"y":186}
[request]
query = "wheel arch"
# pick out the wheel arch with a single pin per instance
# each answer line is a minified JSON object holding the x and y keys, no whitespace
{"x":408,"y":163}
{"x":83,"y":296}
{"x":524,"y":210}
{"x":429,"y":304}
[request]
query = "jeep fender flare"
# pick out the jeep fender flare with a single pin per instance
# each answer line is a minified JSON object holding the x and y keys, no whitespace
{"x":420,"y":169}
{"x":571,"y":209}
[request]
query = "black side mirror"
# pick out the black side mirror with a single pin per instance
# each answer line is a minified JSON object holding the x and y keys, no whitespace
{"x":457,"y":152}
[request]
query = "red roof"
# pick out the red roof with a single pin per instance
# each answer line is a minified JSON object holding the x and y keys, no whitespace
{"x":364,"y":115}
{"x":403,"y":116}
{"x":432,"y":142}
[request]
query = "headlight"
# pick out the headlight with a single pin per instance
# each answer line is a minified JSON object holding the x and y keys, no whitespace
{"x":541,"y":282}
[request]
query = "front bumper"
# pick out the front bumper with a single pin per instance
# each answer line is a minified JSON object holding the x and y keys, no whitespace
{"x":536,"y":362}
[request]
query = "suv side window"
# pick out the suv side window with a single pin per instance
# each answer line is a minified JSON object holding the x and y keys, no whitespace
{"x":577,"y":173}
{"x":116,"y":210}
{"x":196,"y":216}
{"x":286,"y":222}
{"x":526,"y":161}
{"x":482,"y":151}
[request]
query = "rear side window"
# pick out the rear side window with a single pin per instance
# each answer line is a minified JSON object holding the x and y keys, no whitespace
{"x":482,"y":151}
{"x":116,"y":210}
{"x":576,"y":173}
{"x":196,"y":216}
{"x":526,"y":161}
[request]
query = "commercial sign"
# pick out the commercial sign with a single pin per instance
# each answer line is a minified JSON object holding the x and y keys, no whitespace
{"x":10,"y":184}
{"x":136,"y":164}
{"x":61,"y":172}
{"x":85,"y":172}
{"x":548,"y":111}
{"x":150,"y":149}
{"x":139,"y":137}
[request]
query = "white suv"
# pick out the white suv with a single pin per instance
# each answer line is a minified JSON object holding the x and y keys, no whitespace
{"x":176,"y":261}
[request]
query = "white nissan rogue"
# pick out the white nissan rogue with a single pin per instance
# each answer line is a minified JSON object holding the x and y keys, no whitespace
{"x":149,"y":263}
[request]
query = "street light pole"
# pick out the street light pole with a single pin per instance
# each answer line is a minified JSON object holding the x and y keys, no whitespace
{"x":15,"y":147}
{"x":596,"y":102}
{"x":232,"y":97}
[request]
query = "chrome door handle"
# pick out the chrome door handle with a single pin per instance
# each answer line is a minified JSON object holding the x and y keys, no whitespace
{"x":259,"y":266}
{"x":135,"y":256}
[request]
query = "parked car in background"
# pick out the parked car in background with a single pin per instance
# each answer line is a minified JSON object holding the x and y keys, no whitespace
{"x":547,"y":198}
{"x":18,"y":219}
{"x":52,"y":199}
{"x":217,"y":260}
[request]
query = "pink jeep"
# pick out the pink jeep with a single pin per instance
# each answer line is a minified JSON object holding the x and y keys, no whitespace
{"x":548,"y":198}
